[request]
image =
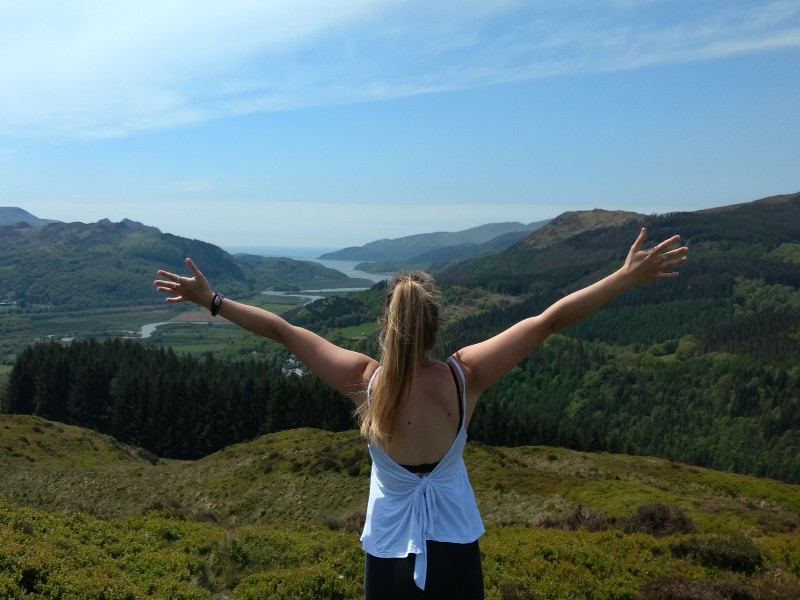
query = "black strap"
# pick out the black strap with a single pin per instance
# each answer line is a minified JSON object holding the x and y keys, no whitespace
{"x":460,"y":395}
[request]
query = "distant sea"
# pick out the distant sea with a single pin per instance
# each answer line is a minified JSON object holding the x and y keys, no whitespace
{"x":300,"y":253}
{"x":308,"y":253}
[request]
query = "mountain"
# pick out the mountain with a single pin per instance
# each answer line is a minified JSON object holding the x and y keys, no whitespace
{"x":580,"y":245}
{"x":406,"y":250}
{"x":569,"y":224}
{"x":701,"y":368}
{"x":72,"y":266}
{"x":10,"y":215}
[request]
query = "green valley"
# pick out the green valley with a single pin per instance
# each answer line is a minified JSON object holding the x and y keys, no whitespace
{"x":650,"y":452}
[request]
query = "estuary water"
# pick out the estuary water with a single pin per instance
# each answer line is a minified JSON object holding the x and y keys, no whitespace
{"x":311,"y":254}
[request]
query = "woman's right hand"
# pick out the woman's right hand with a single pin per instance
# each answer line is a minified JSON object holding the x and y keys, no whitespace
{"x":182,"y":289}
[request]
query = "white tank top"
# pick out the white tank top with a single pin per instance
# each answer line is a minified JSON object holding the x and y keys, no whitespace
{"x":405,"y":510}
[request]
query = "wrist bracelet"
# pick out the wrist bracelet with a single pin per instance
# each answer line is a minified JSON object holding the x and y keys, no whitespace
{"x":216,"y":302}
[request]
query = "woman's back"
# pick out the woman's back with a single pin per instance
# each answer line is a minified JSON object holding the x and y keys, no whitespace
{"x":428,"y":420}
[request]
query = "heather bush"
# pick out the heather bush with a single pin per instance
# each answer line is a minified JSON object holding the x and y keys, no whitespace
{"x":733,"y":553}
{"x":659,"y":520}
{"x":678,"y":588}
{"x":313,"y":582}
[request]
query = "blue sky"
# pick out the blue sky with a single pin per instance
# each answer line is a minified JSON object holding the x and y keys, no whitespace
{"x":330,"y":124}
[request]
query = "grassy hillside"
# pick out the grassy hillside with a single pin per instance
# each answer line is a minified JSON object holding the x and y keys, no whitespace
{"x":279,"y":516}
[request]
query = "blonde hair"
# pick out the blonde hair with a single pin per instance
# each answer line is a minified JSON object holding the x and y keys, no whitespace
{"x":410,"y":329}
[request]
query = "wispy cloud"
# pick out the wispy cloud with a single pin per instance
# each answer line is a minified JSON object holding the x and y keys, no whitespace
{"x":111,"y":69}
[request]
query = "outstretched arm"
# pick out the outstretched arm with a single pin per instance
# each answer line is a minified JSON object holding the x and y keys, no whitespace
{"x":344,"y":370}
{"x":488,"y":361}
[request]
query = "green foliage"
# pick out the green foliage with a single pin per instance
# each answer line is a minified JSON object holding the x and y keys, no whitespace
{"x":787,"y":252}
{"x":225,"y":526}
{"x":734,"y":553}
{"x":286,"y":274}
{"x":341,"y":311}
{"x":52,"y":555}
{"x":772,"y":586}
{"x":717,"y":410}
{"x":302,"y":583}
{"x":174,"y":406}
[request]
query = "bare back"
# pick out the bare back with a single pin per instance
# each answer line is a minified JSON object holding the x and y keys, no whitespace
{"x":428,"y":421}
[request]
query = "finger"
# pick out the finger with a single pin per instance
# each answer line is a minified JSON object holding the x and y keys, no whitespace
{"x":192,"y":267}
{"x":668,"y":242}
{"x":675,"y":253}
{"x":167,"y":288}
{"x":167,"y":274}
{"x":667,"y":275}
{"x":639,"y":240}
{"x":168,"y":285}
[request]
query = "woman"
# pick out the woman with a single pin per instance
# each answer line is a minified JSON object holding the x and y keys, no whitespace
{"x":422,"y":525}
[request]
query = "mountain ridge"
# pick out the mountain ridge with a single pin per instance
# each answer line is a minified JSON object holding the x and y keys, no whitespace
{"x":59,"y":265}
{"x":407,"y":247}
{"x":13,"y":215}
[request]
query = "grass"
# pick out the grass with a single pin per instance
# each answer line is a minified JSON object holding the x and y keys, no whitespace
{"x":320,"y":475}
{"x":278,"y":516}
{"x":359,"y":331}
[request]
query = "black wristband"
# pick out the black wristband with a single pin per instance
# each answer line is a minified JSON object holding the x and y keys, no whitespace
{"x":216,"y":302}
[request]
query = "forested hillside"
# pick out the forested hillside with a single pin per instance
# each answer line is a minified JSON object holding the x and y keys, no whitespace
{"x":76,"y":266}
{"x":173,"y":406}
{"x":701,"y":369}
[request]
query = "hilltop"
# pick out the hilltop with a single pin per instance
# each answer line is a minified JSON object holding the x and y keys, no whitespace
{"x":322,"y":476}
{"x":71,"y":266}
{"x":11,"y":215}
{"x":284,"y":509}
{"x":578,"y":246}
{"x":423,"y":250}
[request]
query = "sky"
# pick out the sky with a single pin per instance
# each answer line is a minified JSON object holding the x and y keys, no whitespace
{"x":306,"y":123}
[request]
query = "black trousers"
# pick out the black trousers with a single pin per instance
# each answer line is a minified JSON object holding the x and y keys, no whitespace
{"x":454,"y":571}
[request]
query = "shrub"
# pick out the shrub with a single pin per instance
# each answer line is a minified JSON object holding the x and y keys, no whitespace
{"x":511,"y":589}
{"x":351,"y":522}
{"x":676,"y":588}
{"x":304,"y":583}
{"x":589,"y":519}
{"x":776,"y":584}
{"x":734,"y":553}
{"x":659,"y":520}
{"x":654,"y":519}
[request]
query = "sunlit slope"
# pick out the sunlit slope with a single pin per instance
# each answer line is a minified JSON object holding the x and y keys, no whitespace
{"x":84,"y":516}
{"x":314,"y":475}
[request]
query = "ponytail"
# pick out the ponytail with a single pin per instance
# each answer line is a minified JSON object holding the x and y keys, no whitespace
{"x":410,"y":328}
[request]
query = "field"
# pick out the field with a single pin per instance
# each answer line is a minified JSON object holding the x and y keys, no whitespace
{"x":22,"y":329}
{"x":279,"y":517}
